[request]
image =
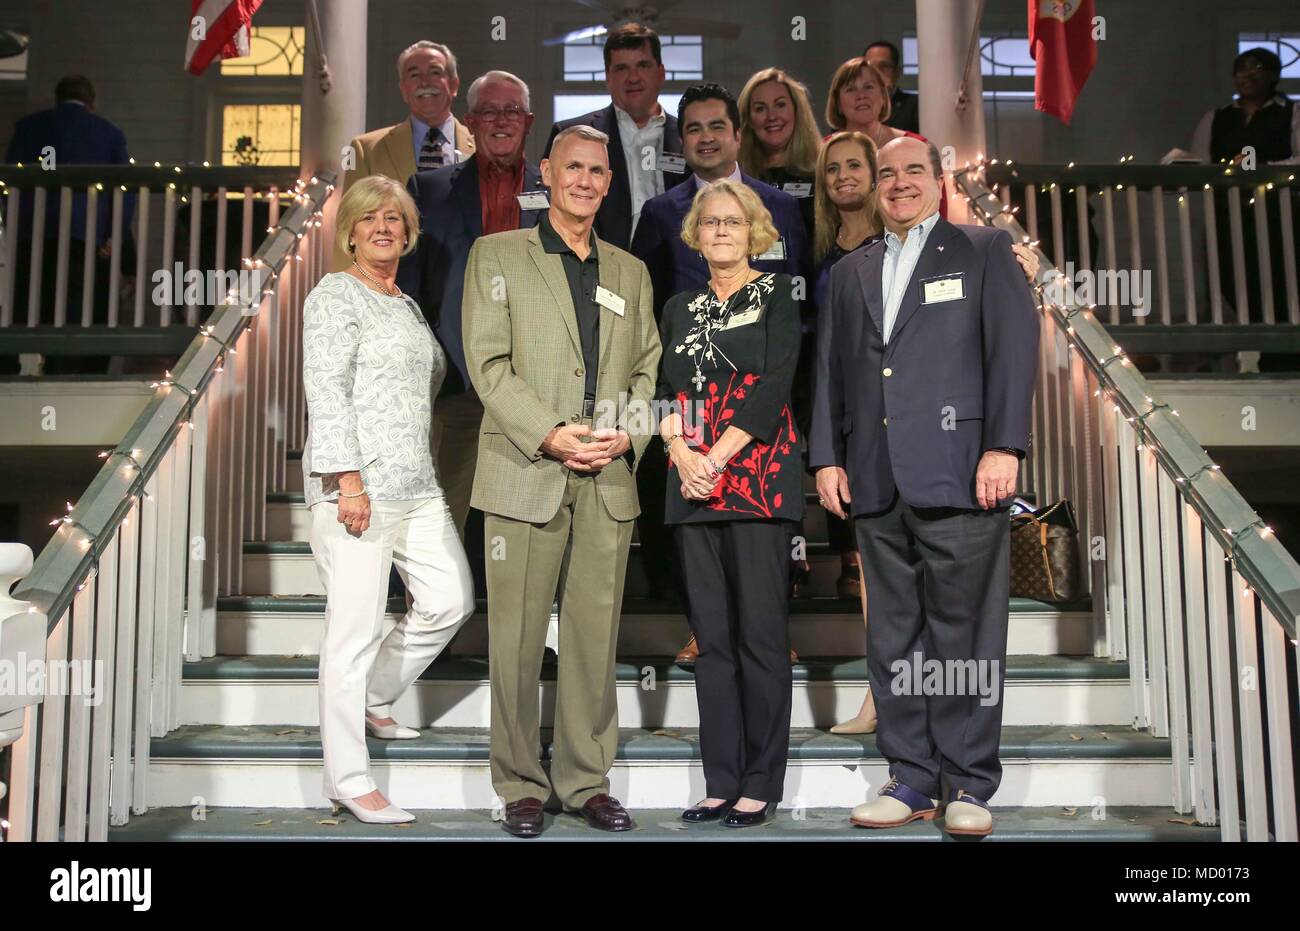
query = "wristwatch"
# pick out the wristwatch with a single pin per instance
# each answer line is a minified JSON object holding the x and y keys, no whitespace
{"x":1006,"y":449}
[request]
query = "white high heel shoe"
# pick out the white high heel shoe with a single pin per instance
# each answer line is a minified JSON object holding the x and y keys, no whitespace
{"x":390,"y":731}
{"x":388,"y":815}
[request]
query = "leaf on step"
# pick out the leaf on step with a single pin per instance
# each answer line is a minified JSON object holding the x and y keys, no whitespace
{"x":1075,"y":737}
{"x":328,"y":821}
{"x":262,"y":824}
{"x":1071,"y":812}
{"x":404,"y":824}
{"x":663,"y":733}
{"x":1190,"y":822}
{"x":292,"y":730}
{"x":1104,"y":736}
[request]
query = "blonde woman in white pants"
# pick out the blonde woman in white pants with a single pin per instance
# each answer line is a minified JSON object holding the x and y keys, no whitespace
{"x":371,"y":369}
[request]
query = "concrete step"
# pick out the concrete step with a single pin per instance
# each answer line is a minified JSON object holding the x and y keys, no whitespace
{"x":652,"y":692}
{"x":1121,"y":823}
{"x":273,"y":767}
{"x":282,"y":625}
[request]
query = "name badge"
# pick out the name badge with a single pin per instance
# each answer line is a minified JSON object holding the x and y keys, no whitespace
{"x":671,"y":161}
{"x":743,"y":319}
{"x":609,"y":300}
{"x":533,"y":200}
{"x":774,"y":254}
{"x":945,"y":288}
{"x":798,"y":188}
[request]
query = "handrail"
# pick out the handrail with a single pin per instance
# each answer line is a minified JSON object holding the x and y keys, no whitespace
{"x":67,"y":560}
{"x":1172,"y":177}
{"x":1261,"y":560}
{"x":155,"y":177}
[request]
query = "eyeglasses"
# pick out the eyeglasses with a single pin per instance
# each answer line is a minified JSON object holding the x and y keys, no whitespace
{"x":731,"y":223}
{"x":493,"y":114}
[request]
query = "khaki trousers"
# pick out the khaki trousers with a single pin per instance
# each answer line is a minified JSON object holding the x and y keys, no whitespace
{"x":526,"y":563}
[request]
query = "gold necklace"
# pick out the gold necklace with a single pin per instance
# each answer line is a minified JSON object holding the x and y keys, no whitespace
{"x":393,"y":293}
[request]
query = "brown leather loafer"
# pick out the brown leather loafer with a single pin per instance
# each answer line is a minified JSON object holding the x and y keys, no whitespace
{"x":524,"y":817}
{"x":606,"y":814}
{"x":689,"y":653}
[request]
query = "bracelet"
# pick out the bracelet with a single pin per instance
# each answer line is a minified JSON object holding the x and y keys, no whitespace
{"x":717,"y":469}
{"x":668,"y":443}
{"x":357,"y":495}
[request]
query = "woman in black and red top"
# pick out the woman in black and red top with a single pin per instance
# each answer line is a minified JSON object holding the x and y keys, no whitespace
{"x":734,"y":485}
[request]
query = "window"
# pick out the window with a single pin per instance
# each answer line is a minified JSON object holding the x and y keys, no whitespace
{"x":260,"y":134}
{"x":257,"y":106}
{"x":584,"y":63}
{"x":273,"y":50}
{"x":1005,"y":65}
{"x":1286,"y":47}
{"x":13,"y":54}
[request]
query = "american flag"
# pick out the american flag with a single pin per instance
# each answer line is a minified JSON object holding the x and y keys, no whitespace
{"x":223,"y":25}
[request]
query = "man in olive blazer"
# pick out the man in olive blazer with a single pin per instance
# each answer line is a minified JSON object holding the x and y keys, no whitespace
{"x":562,"y":348}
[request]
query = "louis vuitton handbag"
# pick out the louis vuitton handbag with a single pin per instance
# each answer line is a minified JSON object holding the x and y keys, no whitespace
{"x":1044,"y":552}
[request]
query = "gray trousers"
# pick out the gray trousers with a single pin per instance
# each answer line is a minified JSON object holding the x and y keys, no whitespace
{"x":937,"y":589}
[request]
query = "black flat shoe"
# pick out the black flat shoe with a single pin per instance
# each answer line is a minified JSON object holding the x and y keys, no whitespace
{"x":747,"y":819}
{"x":701,"y":813}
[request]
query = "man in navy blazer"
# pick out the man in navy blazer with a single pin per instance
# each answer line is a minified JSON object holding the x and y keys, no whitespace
{"x":638,"y":129}
{"x":927,"y":353}
{"x":709,"y":119}
{"x":74,"y":135}
{"x":493,"y":190}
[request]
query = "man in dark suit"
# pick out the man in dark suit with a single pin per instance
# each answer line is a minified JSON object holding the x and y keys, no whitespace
{"x":904,"y":111}
{"x":492,"y":191}
{"x":71,"y":134}
{"x":709,"y":120}
{"x":645,"y":149}
{"x":927,"y":352}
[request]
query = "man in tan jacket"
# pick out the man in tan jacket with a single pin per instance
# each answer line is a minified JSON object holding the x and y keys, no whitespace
{"x":562,"y":348}
{"x":430,"y":137}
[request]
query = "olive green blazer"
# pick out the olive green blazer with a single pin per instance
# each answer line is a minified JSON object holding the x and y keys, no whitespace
{"x":525,"y":360}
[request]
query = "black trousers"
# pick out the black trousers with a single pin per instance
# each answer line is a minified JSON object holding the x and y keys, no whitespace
{"x":737,"y":577}
{"x":937,"y":595}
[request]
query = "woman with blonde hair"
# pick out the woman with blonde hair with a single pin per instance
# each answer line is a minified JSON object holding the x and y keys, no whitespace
{"x":779,"y":140}
{"x":735,"y":487}
{"x":371,"y":370}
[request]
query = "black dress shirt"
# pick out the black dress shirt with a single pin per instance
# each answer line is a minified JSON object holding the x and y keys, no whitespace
{"x":583,"y":276}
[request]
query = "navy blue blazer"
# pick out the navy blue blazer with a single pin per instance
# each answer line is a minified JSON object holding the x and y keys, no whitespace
{"x":674,"y":267}
{"x":79,"y":137}
{"x":956,"y":379}
{"x":451,"y":218}
{"x":614,"y":218}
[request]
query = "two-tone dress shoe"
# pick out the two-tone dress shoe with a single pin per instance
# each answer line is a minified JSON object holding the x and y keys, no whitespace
{"x":895,"y":806}
{"x":524,"y":817}
{"x":965,"y":814}
{"x":606,"y":814}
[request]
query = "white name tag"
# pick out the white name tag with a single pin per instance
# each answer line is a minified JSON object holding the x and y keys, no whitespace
{"x":533,"y":200}
{"x":938,"y":290}
{"x":774,"y":254}
{"x":608,"y":299}
{"x":798,"y":188}
{"x":743,"y":319}
{"x":671,"y":161}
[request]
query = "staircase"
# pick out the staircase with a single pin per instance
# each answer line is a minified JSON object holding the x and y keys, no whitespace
{"x":248,"y":748}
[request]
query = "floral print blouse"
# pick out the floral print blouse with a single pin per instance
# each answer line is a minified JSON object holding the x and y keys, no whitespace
{"x":371,"y":369}
{"x":732,"y":363}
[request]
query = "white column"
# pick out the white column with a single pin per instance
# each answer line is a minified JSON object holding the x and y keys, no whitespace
{"x":944,"y":29}
{"x":332,"y":119}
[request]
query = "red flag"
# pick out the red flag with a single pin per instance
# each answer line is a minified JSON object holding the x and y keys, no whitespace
{"x":1061,"y":43}
{"x":225,"y":31}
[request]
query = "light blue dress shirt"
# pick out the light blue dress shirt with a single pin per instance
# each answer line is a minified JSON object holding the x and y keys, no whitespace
{"x":900,"y":261}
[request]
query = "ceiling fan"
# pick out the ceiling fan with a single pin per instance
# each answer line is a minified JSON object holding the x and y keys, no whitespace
{"x":617,"y":12}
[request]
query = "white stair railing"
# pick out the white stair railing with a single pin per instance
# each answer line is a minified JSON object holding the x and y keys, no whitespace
{"x":1188,"y":583}
{"x":132,"y":574}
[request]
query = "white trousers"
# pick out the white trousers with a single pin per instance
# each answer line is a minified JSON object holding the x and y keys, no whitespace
{"x":361,"y":670}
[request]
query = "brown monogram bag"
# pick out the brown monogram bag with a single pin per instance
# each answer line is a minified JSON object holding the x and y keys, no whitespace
{"x":1045,"y":553}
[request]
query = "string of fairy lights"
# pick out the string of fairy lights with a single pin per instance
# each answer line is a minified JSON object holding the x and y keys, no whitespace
{"x":131,"y":457}
{"x":988,"y":209}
